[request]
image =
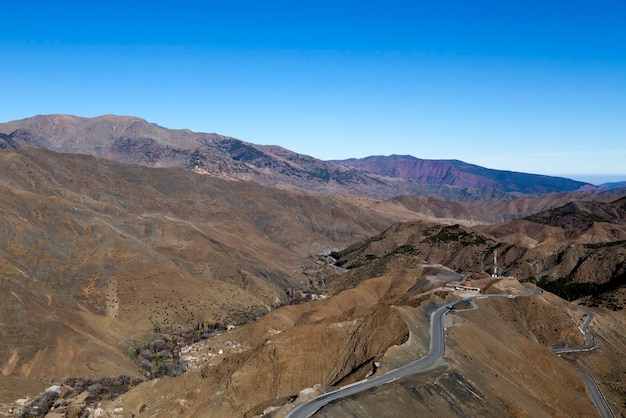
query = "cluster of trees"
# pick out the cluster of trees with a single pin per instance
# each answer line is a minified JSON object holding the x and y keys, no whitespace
{"x":568,"y":290}
{"x":40,"y":406}
{"x":599,"y":292}
{"x":107,"y":387}
{"x":202,"y":332}
{"x":160,"y":358}
{"x":104,"y":388}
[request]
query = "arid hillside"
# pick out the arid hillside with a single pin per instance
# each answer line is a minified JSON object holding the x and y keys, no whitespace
{"x":575,"y":250}
{"x":493,"y":211}
{"x":97,"y":254}
{"x":102,"y":262}
{"x":497,"y":364}
{"x":134,"y":140}
{"x":497,"y":360}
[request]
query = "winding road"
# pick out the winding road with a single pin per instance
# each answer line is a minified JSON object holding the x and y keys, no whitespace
{"x":592,"y":386}
{"x":435,"y":352}
{"x":596,"y":395}
{"x":590,"y":343}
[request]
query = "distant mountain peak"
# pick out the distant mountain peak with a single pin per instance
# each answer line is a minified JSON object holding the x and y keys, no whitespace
{"x":461,"y":174}
{"x":132,"y":140}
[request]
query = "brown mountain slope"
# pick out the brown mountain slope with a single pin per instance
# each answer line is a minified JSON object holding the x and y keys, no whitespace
{"x":583,"y":214}
{"x":95,"y":254}
{"x":494,"y":211}
{"x":495,"y":368}
{"x":576,"y":252}
{"x":498,"y":359}
{"x":134,"y":140}
{"x":103,"y":253}
{"x":292,"y":348}
{"x":508,"y":358}
{"x":491,"y":367}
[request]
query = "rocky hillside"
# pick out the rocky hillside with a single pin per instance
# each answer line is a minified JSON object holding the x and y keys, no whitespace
{"x":494,"y":366}
{"x":299,"y":351}
{"x":134,"y":140}
{"x":461,"y":174}
{"x":104,"y":264}
{"x":583,"y":215}
{"x":96,"y":254}
{"x":100,"y":258}
{"x":493,"y":211}
{"x":575,"y":250}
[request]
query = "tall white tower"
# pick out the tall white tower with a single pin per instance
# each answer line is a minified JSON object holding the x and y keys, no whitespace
{"x":495,"y":264}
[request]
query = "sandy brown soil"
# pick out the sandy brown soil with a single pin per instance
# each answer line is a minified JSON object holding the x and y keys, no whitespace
{"x":495,"y":366}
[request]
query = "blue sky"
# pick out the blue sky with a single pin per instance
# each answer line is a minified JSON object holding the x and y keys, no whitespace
{"x":525,"y":86}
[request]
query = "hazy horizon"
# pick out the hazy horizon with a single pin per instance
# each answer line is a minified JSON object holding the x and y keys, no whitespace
{"x":596,"y":179}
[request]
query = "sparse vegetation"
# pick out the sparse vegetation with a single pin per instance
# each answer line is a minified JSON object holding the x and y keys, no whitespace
{"x":454,"y":233}
{"x":597,"y":294}
{"x":105,"y":388}
{"x":402,"y":249}
{"x":447,"y":234}
{"x":161,"y":357}
{"x":40,"y":406}
{"x":568,"y":290}
{"x":596,"y":246}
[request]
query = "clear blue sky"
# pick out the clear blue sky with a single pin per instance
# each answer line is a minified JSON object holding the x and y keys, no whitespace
{"x":532,"y":86}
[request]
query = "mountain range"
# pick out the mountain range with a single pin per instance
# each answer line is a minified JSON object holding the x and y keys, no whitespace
{"x":133,"y":140}
{"x":86,"y":239}
{"x":578,"y":243}
{"x":206,"y":276}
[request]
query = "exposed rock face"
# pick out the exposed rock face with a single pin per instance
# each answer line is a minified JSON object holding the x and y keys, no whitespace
{"x":461,"y":174}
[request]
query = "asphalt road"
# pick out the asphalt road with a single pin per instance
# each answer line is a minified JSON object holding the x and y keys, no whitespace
{"x":590,"y":343}
{"x":592,"y":386}
{"x":435,"y":352}
{"x":596,"y":395}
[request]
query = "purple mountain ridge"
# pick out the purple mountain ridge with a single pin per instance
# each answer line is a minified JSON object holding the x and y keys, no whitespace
{"x":460,"y":174}
{"x":132,"y":140}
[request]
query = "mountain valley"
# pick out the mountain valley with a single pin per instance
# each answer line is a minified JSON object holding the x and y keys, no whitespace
{"x":120,"y":238}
